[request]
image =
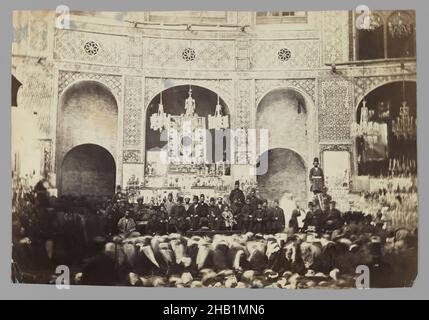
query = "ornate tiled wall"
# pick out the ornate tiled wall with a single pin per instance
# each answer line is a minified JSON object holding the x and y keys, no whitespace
{"x":90,"y":47}
{"x":284,"y":54}
{"x":335,"y":36}
{"x":244,"y":95}
{"x":133,"y":109}
{"x":335,"y":109}
{"x":136,"y":64}
{"x":204,"y":54}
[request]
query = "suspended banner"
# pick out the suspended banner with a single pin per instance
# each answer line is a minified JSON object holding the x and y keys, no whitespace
{"x":376,"y":146}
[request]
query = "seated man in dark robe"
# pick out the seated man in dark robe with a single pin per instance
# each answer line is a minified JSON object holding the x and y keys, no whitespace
{"x":258,"y":219}
{"x":320,"y":214}
{"x":309,"y":219}
{"x":244,"y":218}
{"x":334,"y":219}
{"x":220,"y":204}
{"x":278,"y":217}
{"x":267,"y":226}
{"x":215,"y":215}
{"x":153,"y":225}
{"x":178,"y":216}
{"x":202,"y":209}
{"x":163,"y":219}
{"x":126,"y":225}
{"x":254,"y":200}
{"x":236,"y":207}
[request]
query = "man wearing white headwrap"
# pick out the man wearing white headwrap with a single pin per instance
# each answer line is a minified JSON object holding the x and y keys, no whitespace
{"x":257,"y":258}
{"x":220,"y":255}
{"x":145,"y":257}
{"x":204,"y":257}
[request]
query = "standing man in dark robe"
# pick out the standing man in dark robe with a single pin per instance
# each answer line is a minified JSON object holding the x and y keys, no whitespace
{"x":317,"y":179}
{"x":236,"y":193}
{"x":191,"y":212}
{"x":278,"y":217}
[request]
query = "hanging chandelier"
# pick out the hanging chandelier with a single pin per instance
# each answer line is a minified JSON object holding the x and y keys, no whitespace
{"x":371,"y":22}
{"x":404,"y":126}
{"x":218,"y":121}
{"x":400,"y":26}
{"x":365,"y":127}
{"x":160,"y":120}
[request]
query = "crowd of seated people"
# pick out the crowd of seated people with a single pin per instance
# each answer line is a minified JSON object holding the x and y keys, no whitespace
{"x":180,"y":243}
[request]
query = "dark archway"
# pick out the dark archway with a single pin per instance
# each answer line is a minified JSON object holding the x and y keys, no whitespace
{"x":88,"y":170}
{"x":385,"y":102}
{"x":286,"y":174}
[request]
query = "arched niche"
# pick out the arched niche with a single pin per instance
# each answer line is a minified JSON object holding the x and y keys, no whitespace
{"x":385,"y":102}
{"x":87,"y":114}
{"x":88,"y":170}
{"x":173,"y":100}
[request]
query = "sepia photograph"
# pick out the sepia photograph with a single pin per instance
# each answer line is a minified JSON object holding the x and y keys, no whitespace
{"x":214,"y":149}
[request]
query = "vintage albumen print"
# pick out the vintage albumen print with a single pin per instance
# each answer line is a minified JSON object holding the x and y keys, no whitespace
{"x":214,"y":149}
